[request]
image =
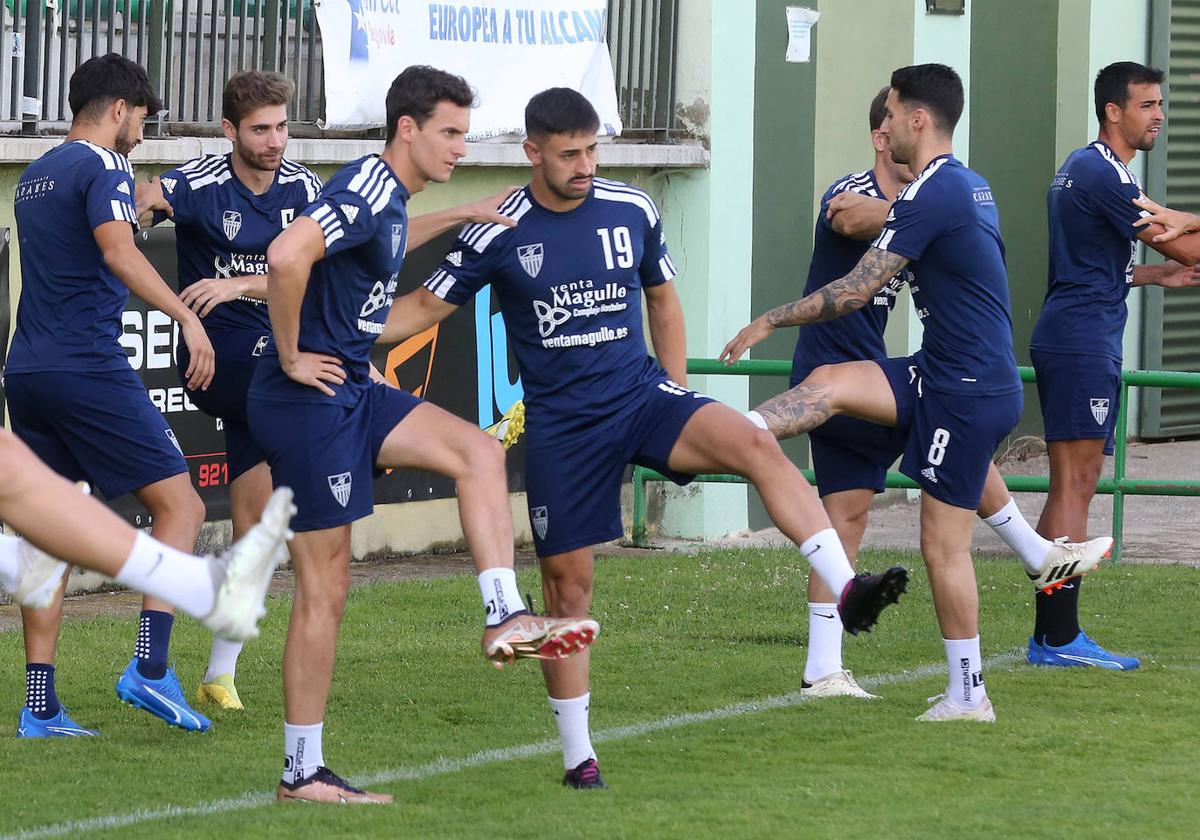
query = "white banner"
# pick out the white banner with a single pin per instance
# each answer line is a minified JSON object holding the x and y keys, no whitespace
{"x":507,"y":49}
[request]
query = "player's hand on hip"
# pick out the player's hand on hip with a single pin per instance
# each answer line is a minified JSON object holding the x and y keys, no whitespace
{"x":203,"y":295}
{"x":751,"y":334}
{"x":1176,"y":222}
{"x":487,"y":210}
{"x":314,"y":370}
{"x":204,"y":359}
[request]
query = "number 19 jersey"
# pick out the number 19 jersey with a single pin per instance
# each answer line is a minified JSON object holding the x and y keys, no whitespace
{"x":569,"y":286}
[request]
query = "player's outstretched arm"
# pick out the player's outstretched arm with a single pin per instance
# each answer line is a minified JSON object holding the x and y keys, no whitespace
{"x":429,"y":226}
{"x":857,"y":216}
{"x":290,"y":258}
{"x":131,"y":267}
{"x":415,"y":312}
{"x":667,"y":332}
{"x":1175,"y":223}
{"x":1169,"y":275}
{"x":205,"y":294}
{"x":841,"y":297}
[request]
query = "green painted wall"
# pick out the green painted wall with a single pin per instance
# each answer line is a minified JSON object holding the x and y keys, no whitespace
{"x":1013,"y":145}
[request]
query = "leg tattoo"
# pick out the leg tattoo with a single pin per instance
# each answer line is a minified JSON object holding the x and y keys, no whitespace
{"x":797,"y":411}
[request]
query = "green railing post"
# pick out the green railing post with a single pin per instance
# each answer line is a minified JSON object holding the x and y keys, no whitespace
{"x":1119,"y":454}
{"x":639,"y":506}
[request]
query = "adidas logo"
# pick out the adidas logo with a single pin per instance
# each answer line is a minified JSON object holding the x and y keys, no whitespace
{"x":169,"y":184}
{"x":455,"y":258}
{"x":1066,"y":570}
{"x":929,"y":474}
{"x":123,"y":188}
{"x":350,"y":211}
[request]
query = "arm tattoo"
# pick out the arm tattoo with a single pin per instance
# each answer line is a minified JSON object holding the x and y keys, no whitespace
{"x":842,"y":296}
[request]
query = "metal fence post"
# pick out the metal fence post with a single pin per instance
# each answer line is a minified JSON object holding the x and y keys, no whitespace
{"x":639,"y":506}
{"x":156,"y":37}
{"x":1118,"y":526}
{"x":31,"y":100}
{"x":271,"y":40}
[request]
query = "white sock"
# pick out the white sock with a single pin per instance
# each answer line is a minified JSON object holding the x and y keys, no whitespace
{"x":571,"y":715}
{"x":825,"y":554}
{"x":824,"y":642}
{"x":501,"y":597}
{"x":1010,"y":525}
{"x":10,"y":562}
{"x":965,"y":664}
{"x":757,"y":419}
{"x":223,"y":659}
{"x":177,"y":577}
{"x":301,"y":751}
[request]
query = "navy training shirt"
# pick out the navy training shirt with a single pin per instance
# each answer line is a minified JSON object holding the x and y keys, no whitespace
{"x":1093,"y":247}
{"x":858,"y":335}
{"x":946,"y":223}
{"x":363,"y":214}
{"x":223,"y":229}
{"x":69,"y":316}
{"x":569,"y":287}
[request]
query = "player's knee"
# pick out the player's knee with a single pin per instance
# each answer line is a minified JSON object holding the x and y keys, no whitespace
{"x":760,"y":450}
{"x":488,"y":455}
{"x":820,"y":375}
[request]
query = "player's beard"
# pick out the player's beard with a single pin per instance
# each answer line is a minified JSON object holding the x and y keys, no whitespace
{"x":125,"y":141}
{"x":570,"y":191}
{"x":262,"y":162}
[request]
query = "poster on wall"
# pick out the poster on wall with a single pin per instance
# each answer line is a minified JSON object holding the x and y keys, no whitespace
{"x":463,"y":365}
{"x":507,"y":49}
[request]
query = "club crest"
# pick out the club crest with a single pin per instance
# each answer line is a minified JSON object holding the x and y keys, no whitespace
{"x":260,"y":345}
{"x":231,"y":223}
{"x":339,"y":485}
{"x":1099,"y":410}
{"x":531,"y":258}
{"x":174,"y":440}
{"x":397,"y":238}
{"x":540,"y":518}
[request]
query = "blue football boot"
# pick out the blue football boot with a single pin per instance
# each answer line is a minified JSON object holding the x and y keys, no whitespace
{"x":1080,"y":652}
{"x":162,"y":698}
{"x":59,"y":726}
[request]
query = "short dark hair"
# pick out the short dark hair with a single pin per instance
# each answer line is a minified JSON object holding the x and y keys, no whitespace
{"x":560,"y":110}
{"x":934,"y":87}
{"x":1112,"y":83}
{"x":417,"y":91}
{"x":878,"y":109}
{"x":253,"y":89}
{"x":104,"y":79}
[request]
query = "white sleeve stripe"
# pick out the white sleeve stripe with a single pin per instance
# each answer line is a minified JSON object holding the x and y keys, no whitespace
{"x":118,"y":211}
{"x":323,"y":214}
{"x":1122,"y":171}
{"x":495,"y":230}
{"x":668,"y":270}
{"x":644,"y":204}
{"x":885,"y":239}
{"x":440,"y":284}
{"x":368,"y":168}
{"x":671,"y":263}
{"x":619,"y":187}
{"x":472,"y":232}
{"x":446,"y":286}
{"x":334,"y":235}
{"x":910,"y":192}
{"x":382,"y":199}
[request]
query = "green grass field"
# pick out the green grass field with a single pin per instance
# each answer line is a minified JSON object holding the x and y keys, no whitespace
{"x":699,"y":730}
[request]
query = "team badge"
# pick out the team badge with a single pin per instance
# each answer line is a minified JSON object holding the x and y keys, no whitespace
{"x":231,"y":222}
{"x":397,"y":238}
{"x":339,"y":485}
{"x":1099,"y":410}
{"x":174,"y":440}
{"x":260,"y":345}
{"x":541,"y":520}
{"x":531,"y":258}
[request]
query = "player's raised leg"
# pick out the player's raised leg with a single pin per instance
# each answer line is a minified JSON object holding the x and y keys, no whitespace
{"x":433,"y":439}
{"x":717,"y":438}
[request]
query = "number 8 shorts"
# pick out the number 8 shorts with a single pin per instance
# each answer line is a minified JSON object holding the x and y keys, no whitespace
{"x":951,"y":437}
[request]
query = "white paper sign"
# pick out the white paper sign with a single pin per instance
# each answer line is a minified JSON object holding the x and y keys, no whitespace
{"x":800,"y":22}
{"x":507,"y":50}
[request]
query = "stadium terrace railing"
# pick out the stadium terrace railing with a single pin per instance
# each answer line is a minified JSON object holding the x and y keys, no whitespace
{"x":1118,"y":486}
{"x":189,"y":48}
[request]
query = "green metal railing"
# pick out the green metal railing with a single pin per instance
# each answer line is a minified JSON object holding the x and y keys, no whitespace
{"x":1118,"y":486}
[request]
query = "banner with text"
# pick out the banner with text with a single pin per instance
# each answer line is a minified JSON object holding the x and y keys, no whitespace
{"x":507,"y":49}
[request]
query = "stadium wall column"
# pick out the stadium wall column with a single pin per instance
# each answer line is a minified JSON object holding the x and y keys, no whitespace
{"x":709,"y":219}
{"x":1013,"y":146}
